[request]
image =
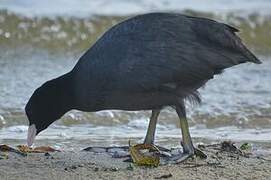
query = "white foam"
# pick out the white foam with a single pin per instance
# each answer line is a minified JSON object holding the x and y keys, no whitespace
{"x":17,"y":129}
{"x":123,"y":7}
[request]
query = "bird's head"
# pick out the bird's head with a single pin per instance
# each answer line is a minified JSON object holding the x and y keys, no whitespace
{"x":43,"y":108}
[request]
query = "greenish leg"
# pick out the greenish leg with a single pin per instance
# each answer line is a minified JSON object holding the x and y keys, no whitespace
{"x":149,"y":139}
{"x":187,"y":144}
{"x":188,"y":147}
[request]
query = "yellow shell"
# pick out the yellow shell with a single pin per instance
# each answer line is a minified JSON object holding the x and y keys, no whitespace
{"x":144,"y":160}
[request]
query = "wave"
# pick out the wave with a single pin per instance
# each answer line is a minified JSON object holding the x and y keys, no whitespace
{"x":85,"y":8}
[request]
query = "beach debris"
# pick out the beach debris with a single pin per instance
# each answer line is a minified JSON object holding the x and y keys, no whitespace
{"x":120,"y":154}
{"x":24,"y":149}
{"x":246,"y":146}
{"x":3,"y":156}
{"x":145,"y":155}
{"x":40,"y":149}
{"x":128,"y":160}
{"x":115,"y":152}
{"x":106,"y":149}
{"x":130,"y":167}
{"x":48,"y":155}
{"x":210,"y":164}
{"x":6,"y":148}
{"x":96,"y":149}
{"x":201,"y":146}
{"x":114,"y":169}
{"x":200,"y":154}
{"x":71,"y":168}
{"x":165,"y":176}
{"x":229,"y":146}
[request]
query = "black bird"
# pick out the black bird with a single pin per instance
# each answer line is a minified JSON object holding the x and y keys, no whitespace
{"x":144,"y":63}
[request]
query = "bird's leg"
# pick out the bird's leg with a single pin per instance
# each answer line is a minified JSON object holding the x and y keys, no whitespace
{"x":187,"y":144}
{"x":188,"y":147}
{"x":149,"y":139}
{"x":148,"y":145}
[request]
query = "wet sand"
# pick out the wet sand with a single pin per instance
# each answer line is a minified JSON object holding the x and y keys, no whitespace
{"x":220,"y":164}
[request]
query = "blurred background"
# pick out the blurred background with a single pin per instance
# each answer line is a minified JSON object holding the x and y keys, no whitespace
{"x":40,"y":40}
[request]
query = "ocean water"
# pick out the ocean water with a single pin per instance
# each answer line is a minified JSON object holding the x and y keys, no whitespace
{"x":84,"y":8}
{"x":42,"y":40}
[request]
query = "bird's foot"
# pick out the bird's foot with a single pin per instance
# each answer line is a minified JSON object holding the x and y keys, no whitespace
{"x":181,"y":157}
{"x":151,"y":155}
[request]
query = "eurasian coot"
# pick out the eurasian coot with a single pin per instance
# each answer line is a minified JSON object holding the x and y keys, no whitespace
{"x":144,"y":63}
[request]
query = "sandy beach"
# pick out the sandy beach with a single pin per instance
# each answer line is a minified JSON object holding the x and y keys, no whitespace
{"x":221,"y":164}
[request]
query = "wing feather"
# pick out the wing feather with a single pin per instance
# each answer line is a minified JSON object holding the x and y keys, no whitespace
{"x":146,"y":52}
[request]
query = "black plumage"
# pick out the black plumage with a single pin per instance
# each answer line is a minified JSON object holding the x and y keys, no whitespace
{"x":156,"y":55}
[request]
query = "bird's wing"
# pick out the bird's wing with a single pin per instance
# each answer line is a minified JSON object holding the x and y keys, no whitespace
{"x":150,"y":51}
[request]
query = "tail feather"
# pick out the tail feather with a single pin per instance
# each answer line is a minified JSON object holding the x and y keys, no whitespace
{"x":249,"y":55}
{"x":244,"y":50}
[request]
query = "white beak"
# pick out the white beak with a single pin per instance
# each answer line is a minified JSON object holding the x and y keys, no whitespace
{"x":32,"y":131}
